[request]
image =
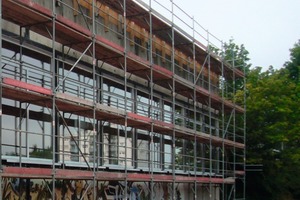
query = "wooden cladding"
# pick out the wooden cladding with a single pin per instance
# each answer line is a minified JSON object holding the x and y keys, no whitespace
{"x":110,"y":16}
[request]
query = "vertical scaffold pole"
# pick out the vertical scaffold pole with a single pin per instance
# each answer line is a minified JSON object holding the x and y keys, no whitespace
{"x":95,"y":166}
{"x":173,"y":105}
{"x":195,"y":110}
{"x":223,"y":121}
{"x":125,"y":92}
{"x":151,"y":99}
{"x":234,"y":128}
{"x":53,"y":85}
{"x":1,"y":167}
{"x":244,"y":127}
{"x":209,"y":111}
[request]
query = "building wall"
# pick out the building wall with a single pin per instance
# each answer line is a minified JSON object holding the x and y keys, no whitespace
{"x":82,"y":189}
{"x":81,"y":140}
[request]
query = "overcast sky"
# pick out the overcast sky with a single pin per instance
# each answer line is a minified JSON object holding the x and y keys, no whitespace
{"x":267,"y":28}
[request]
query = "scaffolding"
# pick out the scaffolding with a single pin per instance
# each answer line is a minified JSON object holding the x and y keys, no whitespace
{"x":117,"y":99}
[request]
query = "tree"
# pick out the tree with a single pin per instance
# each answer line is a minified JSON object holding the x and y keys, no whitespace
{"x":273,"y":131}
{"x":293,"y":66}
{"x":273,"y":124}
{"x":233,"y":54}
{"x":237,"y":57}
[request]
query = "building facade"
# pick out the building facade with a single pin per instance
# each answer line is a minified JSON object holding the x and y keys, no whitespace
{"x":117,"y":99}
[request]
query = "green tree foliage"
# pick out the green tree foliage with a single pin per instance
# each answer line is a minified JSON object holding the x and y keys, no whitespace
{"x":237,"y":57}
{"x":233,"y":54}
{"x":273,"y":123}
{"x":293,"y":66}
{"x":273,"y":131}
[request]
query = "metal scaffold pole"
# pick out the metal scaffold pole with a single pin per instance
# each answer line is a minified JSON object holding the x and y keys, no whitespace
{"x":244,"y":127}
{"x":223,"y":122}
{"x":1,"y":167}
{"x":174,"y":107}
{"x":210,"y":117}
{"x":53,"y":86}
{"x":151,"y":103}
{"x":234,"y":127}
{"x":94,"y":64}
{"x":125,"y":91}
{"x":195,"y":110}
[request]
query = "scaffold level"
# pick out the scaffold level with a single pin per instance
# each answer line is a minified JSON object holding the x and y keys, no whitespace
{"x":112,"y":100}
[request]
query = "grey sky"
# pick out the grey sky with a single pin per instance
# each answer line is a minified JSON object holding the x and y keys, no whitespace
{"x":267,"y":28}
